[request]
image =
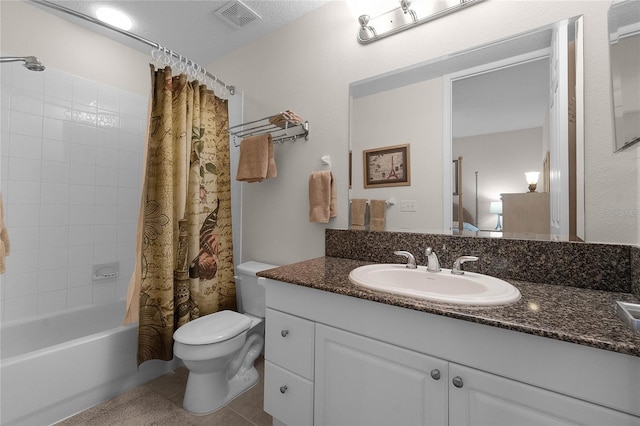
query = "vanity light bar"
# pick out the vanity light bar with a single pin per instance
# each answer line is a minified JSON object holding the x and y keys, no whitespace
{"x":400,"y":19}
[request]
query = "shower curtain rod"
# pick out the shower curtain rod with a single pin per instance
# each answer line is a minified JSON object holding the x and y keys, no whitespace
{"x":153,"y":44}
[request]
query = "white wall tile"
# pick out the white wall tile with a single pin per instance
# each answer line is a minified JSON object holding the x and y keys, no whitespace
{"x":81,"y":214}
{"x":24,"y":237}
{"x":106,"y":196}
{"x":21,"y":284}
{"x":52,"y":280}
{"x":55,"y":150}
{"x":54,"y":193}
{"x":17,"y":308}
{"x":106,"y":215}
{"x":54,"y":301}
{"x":23,"y":192}
{"x":71,"y":153}
{"x":104,"y":292}
{"x":25,"y":124}
{"x":82,"y":194}
{"x":56,"y":129}
{"x":53,"y":258}
{"x":22,"y":78}
{"x":106,"y":176}
{"x":80,"y":235}
{"x":80,"y":256}
{"x":54,"y":215}
{"x":79,"y":296}
{"x":55,"y":172}
{"x":79,"y":276}
{"x":24,"y":169}
{"x":19,"y":215}
{"x":54,"y":237}
{"x":59,"y":109}
{"x":26,"y":101}
{"x":107,"y":157}
{"x":58,"y":84}
{"x":105,"y":234}
{"x":82,"y":174}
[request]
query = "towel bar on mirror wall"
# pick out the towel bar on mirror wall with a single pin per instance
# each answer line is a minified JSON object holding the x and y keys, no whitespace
{"x":390,"y":202}
{"x":283,"y":127}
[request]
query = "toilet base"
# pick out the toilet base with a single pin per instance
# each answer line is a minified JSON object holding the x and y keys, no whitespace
{"x":200,"y":402}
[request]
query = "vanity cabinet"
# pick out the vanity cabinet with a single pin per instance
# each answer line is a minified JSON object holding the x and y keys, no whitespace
{"x":339,"y":360}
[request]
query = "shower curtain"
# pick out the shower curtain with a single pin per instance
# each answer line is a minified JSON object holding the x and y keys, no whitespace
{"x":184,"y":265}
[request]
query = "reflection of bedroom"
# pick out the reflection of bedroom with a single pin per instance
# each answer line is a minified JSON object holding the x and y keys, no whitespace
{"x":516,"y":152}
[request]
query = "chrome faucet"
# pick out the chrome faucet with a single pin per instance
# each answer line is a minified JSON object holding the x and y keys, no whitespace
{"x":411,"y":261}
{"x":433,"y":264}
{"x":457,"y":265}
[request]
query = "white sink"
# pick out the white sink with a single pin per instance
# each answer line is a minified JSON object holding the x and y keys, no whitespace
{"x":443,"y":287}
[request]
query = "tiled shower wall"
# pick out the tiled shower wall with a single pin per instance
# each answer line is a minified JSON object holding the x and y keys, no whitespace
{"x":71,"y":172}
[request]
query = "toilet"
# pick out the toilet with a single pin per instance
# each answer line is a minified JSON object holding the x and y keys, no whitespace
{"x":219,"y":349}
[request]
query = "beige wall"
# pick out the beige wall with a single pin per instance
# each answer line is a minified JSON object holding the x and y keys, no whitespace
{"x":27,"y":30}
{"x":308,"y":65}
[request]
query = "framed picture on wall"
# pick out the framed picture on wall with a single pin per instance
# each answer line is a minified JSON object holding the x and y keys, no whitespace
{"x":387,"y":166}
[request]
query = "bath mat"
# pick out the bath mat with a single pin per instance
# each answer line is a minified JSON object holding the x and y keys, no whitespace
{"x":137,"y":407}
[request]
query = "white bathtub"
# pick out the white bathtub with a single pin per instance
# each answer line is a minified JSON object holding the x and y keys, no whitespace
{"x":55,"y":366}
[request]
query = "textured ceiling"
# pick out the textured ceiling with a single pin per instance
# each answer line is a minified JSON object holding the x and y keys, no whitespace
{"x":189,"y":27}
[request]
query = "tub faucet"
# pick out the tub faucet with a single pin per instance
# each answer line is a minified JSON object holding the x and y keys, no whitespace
{"x":433,"y":264}
{"x":411,"y":261}
{"x":457,"y":265}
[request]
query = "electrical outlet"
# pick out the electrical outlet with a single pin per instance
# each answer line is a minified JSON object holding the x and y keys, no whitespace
{"x":408,"y":206}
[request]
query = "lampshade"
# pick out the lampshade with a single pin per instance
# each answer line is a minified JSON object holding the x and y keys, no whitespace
{"x":495,"y":207}
{"x":532,"y":177}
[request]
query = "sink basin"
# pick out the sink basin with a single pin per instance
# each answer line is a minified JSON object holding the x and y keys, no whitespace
{"x":443,"y":287}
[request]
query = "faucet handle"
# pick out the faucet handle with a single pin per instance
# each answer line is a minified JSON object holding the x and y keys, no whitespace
{"x":457,"y":265}
{"x":411,"y":261}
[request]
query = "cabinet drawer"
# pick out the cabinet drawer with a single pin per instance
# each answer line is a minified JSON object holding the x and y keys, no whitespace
{"x":290,"y":342}
{"x":287,"y":396}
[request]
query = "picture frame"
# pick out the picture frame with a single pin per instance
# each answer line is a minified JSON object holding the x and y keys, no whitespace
{"x":387,"y":166}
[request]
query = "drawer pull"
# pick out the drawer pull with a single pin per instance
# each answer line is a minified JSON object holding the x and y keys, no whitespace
{"x":283,"y":388}
{"x":284,"y":333}
{"x":435,"y":374}
{"x":457,"y":381}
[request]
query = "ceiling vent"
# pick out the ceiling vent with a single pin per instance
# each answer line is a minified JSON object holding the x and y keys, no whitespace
{"x":237,"y":14}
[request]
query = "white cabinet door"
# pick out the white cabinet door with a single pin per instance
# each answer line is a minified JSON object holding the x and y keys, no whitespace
{"x":361,"y":381}
{"x":479,"y":398}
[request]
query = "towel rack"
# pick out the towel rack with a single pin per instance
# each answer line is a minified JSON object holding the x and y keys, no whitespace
{"x":280,"y":133}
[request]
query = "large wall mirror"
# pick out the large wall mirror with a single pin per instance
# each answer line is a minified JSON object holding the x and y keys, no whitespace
{"x":476,"y":122}
{"x":624,"y":36}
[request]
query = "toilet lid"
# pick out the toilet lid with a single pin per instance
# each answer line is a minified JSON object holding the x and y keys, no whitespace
{"x":212,"y":328}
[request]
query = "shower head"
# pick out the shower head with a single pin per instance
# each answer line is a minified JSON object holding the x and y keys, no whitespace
{"x":30,"y":62}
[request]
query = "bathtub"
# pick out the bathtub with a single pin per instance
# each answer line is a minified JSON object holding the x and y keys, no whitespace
{"x":55,"y":366}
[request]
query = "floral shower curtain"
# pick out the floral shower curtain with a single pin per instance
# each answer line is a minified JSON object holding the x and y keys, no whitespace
{"x":184,"y":266}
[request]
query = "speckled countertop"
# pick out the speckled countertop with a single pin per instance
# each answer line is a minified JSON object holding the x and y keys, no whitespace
{"x":582,"y":316}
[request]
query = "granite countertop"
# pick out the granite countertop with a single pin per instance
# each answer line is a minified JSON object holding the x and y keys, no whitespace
{"x":582,"y":316}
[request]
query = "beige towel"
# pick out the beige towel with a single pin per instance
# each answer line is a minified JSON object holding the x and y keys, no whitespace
{"x":378,"y":210}
{"x":322,"y":196}
{"x":4,"y":239}
{"x":256,"y":161}
{"x":288,"y":116}
{"x":358,"y":210}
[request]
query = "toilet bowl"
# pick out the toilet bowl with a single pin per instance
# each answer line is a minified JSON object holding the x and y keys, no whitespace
{"x":220,"y":349}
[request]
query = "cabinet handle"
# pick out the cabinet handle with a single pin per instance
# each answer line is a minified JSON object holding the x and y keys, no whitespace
{"x":283,"y":388}
{"x":284,"y":333}
{"x":435,"y":374}
{"x":457,"y":382}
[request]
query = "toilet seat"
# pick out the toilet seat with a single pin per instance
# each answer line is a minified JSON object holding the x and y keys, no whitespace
{"x":212,"y":328}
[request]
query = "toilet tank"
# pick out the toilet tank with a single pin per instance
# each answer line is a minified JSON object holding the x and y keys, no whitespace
{"x":249,"y":294}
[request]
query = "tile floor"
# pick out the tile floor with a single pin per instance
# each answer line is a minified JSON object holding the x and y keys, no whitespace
{"x":245,"y":410}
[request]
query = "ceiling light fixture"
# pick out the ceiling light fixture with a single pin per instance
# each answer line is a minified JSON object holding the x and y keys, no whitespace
{"x":407,"y":15}
{"x":114,"y":17}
